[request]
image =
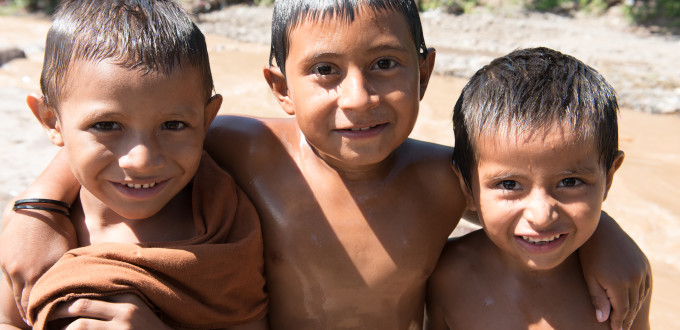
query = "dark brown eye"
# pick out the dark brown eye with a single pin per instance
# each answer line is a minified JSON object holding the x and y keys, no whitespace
{"x":385,"y":64}
{"x":323,"y":70}
{"x":106,"y":126}
{"x":570,"y":182}
{"x":509,"y":184}
{"x":174,"y":125}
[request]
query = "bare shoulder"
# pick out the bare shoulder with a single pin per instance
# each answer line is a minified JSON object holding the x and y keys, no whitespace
{"x":460,"y":256}
{"x":427,"y":150}
{"x":455,"y":279}
{"x":237,"y":141}
{"x":431,"y":162}
{"x":234,"y":129}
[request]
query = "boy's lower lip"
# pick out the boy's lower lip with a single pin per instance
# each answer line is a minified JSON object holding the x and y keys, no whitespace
{"x":140,"y":193}
{"x":542,"y":247}
{"x":363,"y":132}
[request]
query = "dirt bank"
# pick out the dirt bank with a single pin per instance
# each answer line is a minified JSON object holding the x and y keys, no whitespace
{"x":641,"y":66}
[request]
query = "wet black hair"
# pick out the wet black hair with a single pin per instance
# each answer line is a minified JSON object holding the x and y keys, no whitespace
{"x":530,"y":89}
{"x":149,"y":35}
{"x":288,"y":14}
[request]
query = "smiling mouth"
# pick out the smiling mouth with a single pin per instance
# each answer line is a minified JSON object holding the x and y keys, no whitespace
{"x":361,"y":129}
{"x":540,"y":241}
{"x":140,"y":186}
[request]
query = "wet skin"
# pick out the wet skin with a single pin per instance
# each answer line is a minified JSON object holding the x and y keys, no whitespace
{"x":354,"y":215}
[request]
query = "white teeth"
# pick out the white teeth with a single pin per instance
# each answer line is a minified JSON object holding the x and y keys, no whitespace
{"x":140,"y":186}
{"x":361,"y":129}
{"x":541,"y":240}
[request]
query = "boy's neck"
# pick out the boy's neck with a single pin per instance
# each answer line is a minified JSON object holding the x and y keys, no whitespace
{"x":523,"y":272}
{"x":95,"y":222}
{"x":349,"y":173}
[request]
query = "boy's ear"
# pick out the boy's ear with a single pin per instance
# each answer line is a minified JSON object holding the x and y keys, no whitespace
{"x":469,"y":201}
{"x":279,"y":86}
{"x":426,"y":68}
{"x":47,"y":117}
{"x":618,"y":160}
{"x":211,"y":110}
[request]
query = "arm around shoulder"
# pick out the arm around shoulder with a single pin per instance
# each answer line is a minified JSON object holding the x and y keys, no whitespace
{"x":617,"y":273}
{"x":33,"y":240}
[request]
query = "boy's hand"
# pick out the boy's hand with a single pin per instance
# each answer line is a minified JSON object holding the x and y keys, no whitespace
{"x":31,"y":242}
{"x":125,"y":311}
{"x":617,"y":273}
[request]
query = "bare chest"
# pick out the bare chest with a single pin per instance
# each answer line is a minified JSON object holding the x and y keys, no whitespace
{"x":515,"y":306}
{"x":335,"y":261}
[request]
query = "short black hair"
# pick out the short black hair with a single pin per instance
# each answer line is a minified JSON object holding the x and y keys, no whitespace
{"x":531,"y":89}
{"x":149,"y":35}
{"x":288,"y":14}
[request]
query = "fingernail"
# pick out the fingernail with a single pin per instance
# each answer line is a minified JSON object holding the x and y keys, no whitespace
{"x":599,"y":315}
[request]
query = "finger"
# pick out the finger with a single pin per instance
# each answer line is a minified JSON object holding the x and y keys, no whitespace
{"x":84,"y":308}
{"x":634,"y":303}
{"x":90,"y":324}
{"x":620,"y":303}
{"x":8,"y":280}
{"x":17,"y":290}
{"x":599,"y":299}
{"x":25,"y":294}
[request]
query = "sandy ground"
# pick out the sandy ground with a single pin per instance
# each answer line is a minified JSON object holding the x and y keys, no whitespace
{"x":644,"y":198}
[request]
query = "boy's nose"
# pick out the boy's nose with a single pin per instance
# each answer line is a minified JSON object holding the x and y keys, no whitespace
{"x":142,"y":155}
{"x":356,"y":92}
{"x":541,"y":210}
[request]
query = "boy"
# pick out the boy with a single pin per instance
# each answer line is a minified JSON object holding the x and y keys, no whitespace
{"x":354,"y":214}
{"x":127,"y":94}
{"x":535,"y":161}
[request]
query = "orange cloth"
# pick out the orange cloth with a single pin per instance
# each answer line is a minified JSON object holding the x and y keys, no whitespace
{"x":213,"y":280}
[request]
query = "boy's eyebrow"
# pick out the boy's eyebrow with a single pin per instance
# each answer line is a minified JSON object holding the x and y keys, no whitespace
{"x":376,"y":49}
{"x":388,"y":47}
{"x":499,"y":175}
{"x":581,"y":169}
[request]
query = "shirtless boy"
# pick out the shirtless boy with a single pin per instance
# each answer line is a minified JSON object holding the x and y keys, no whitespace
{"x":128,"y":96}
{"x":354,"y":214}
{"x":536,"y":163}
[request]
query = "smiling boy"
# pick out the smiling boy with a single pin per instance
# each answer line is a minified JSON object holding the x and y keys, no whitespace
{"x":346,"y":245}
{"x":536,"y":162}
{"x":354,"y":214}
{"x":127,"y":95}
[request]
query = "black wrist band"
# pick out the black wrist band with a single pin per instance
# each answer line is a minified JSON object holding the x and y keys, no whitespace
{"x":24,"y":204}
{"x":44,"y":208}
{"x":42,"y":200}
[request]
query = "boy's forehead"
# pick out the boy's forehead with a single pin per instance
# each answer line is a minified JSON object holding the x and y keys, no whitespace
{"x":549,"y":136}
{"x":533,"y":148}
{"x":385,"y":23}
{"x":109,"y":76}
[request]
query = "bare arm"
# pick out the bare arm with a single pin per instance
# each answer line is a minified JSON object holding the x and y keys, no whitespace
{"x":33,"y":240}
{"x":617,"y":273}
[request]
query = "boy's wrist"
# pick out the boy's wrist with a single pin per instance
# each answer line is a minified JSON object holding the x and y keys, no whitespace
{"x":42,"y":204}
